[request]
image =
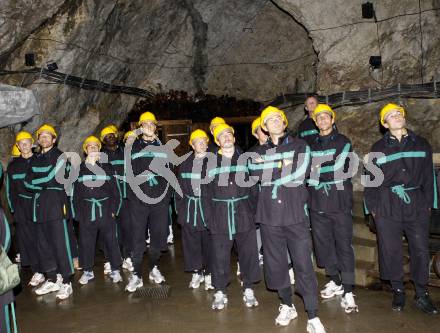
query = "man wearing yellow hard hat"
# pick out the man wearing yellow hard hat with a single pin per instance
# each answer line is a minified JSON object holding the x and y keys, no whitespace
{"x":212,"y":147}
{"x":282,"y":167}
{"x":15,"y":152}
{"x":228,"y":209}
{"x":258,"y":132}
{"x":20,"y":205}
{"x":50,"y":214}
{"x":145,"y":215}
{"x":115,"y":154}
{"x":129,"y":137}
{"x":331,"y":201}
{"x":401,"y":205}
{"x":96,"y":201}
{"x":196,"y":240}
{"x":307,"y":129}
{"x":262,"y":137}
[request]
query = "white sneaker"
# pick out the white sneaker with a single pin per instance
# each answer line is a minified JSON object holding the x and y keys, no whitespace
{"x":47,"y":287}
{"x":315,"y":326}
{"x":134,"y":283}
{"x":331,"y":290}
{"x":127,"y":264}
{"x":249,"y":298}
{"x":116,"y":276}
{"x":349,"y":304}
{"x":196,"y":280}
{"x":220,"y":300}
{"x":156,"y":276}
{"x":59,"y":280}
{"x":170,"y":238}
{"x":107,"y":268}
{"x":291,"y":276}
{"x":86,"y":277}
{"x":37,"y":279}
{"x":65,"y":291}
{"x":286,"y":314}
{"x":238,"y":269}
{"x":208,"y":283}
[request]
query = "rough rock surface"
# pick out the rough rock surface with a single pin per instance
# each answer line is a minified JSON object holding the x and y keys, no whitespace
{"x":249,"y":49}
{"x":345,"y":41}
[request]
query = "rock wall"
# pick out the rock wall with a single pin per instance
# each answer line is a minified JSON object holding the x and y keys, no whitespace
{"x":405,"y":35}
{"x":249,"y":49}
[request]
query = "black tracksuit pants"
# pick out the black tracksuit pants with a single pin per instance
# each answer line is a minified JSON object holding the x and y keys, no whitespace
{"x":246,"y":246}
{"x":332,"y":238}
{"x":297,"y":240}
{"x":155,"y":217}
{"x":88,"y":231}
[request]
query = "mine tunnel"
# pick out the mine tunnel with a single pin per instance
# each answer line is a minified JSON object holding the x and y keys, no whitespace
{"x":302,"y":192}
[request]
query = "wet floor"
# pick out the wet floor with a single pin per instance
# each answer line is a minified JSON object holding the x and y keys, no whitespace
{"x":103,"y":307}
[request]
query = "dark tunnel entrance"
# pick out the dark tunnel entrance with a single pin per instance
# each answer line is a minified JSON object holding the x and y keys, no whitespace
{"x":179,"y":113}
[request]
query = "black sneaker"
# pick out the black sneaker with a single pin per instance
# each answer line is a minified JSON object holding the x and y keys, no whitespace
{"x":425,"y":304}
{"x":398,"y":300}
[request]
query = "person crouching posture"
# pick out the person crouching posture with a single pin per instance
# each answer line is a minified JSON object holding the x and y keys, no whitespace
{"x":229,"y":215}
{"x":196,"y":240}
{"x":96,"y":200}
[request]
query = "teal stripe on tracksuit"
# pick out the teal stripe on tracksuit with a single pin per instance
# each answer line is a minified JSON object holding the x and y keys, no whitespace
{"x":307,"y":133}
{"x":42,"y":169}
{"x":293,"y":177}
{"x":403,"y":154}
{"x":8,"y":193}
{"x":189,"y":175}
{"x":7,"y":322}
{"x":320,"y":153}
{"x":50,"y":176}
{"x":72,"y":208}
{"x":435,"y":205}
{"x":340,"y":161}
{"x":120,"y":195}
{"x":67,"y":240}
{"x":7,"y":241}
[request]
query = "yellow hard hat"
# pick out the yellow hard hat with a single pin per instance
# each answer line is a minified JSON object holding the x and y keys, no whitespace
{"x":15,"y":152}
{"x":217,"y":121}
{"x":111,"y":129}
{"x":388,"y":108}
{"x":219,"y":129}
{"x":91,"y":139}
{"x":197,"y":134}
{"x":255,"y":124}
{"x":323,"y":108}
{"x":127,"y":134}
{"x":147,"y":116}
{"x":271,"y":110}
{"x":46,"y":128}
{"x":23,"y":135}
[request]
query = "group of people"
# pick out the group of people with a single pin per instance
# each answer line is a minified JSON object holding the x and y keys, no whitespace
{"x":286,"y":198}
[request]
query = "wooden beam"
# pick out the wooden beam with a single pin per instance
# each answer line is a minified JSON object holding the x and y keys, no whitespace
{"x":240,"y":120}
